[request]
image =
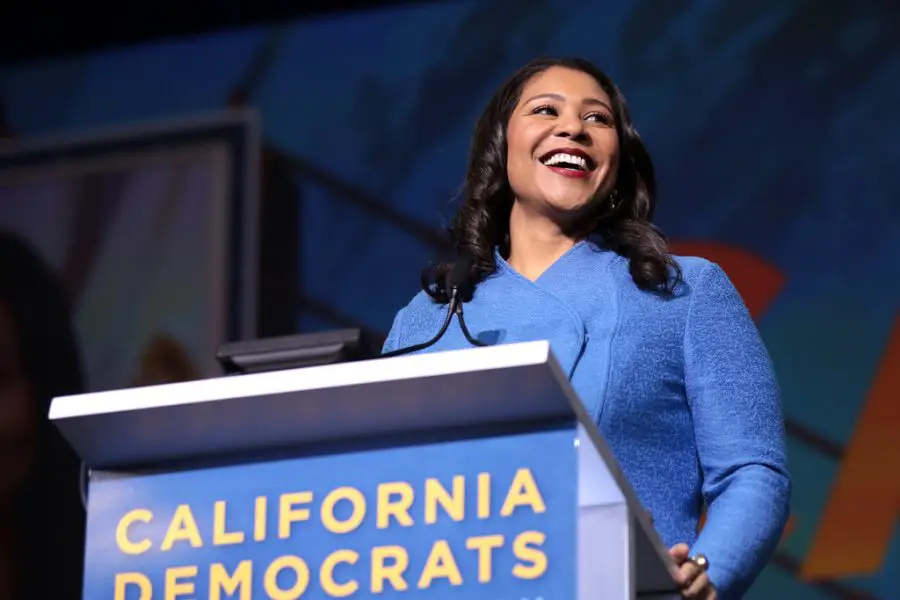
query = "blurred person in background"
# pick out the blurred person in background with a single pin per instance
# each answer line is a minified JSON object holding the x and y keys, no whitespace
{"x":556,"y":228}
{"x":164,"y":360}
{"x":42,"y":519}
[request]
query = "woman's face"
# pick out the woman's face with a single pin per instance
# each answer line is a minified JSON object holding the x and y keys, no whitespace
{"x":18,"y":426}
{"x":562,"y":146}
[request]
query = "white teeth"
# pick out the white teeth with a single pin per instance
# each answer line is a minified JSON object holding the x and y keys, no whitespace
{"x":562,"y":157}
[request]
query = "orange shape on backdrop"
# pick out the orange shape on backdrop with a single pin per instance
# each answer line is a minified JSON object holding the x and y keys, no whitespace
{"x":861,"y":514}
{"x":758,"y":282}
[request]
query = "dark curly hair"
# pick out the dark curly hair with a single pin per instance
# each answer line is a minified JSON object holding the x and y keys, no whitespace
{"x":482,"y":222}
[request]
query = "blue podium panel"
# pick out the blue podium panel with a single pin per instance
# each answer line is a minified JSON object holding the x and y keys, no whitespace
{"x":491,"y":518}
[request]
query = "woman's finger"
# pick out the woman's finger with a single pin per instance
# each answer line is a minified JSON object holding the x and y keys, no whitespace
{"x":699,"y":588}
{"x":679,"y":553}
{"x":687,"y":573}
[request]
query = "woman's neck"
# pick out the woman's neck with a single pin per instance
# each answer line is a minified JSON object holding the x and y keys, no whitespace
{"x":535,"y":242}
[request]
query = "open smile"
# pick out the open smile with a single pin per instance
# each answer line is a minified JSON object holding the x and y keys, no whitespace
{"x":569,"y":162}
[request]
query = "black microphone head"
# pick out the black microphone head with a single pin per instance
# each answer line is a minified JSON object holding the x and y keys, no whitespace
{"x":459,"y":276}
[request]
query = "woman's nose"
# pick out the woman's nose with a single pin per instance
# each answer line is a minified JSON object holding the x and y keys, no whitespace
{"x":570,"y":127}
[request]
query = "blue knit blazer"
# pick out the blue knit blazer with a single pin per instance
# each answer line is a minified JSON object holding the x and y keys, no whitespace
{"x":682,"y":389}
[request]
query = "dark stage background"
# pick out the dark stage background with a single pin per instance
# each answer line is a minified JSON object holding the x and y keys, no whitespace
{"x":773,"y":125}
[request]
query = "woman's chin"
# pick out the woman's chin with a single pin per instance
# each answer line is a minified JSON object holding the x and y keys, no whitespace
{"x":568,"y":205}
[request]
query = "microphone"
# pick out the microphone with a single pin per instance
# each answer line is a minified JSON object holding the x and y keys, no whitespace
{"x":457,"y":285}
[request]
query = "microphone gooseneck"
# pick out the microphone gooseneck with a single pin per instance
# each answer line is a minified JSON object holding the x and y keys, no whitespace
{"x":432,"y":341}
{"x":456,"y":281}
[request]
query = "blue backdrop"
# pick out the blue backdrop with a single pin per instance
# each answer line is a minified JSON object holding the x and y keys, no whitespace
{"x":773,"y":126}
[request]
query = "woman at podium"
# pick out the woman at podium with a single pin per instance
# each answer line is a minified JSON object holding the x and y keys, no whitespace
{"x":556,"y":242}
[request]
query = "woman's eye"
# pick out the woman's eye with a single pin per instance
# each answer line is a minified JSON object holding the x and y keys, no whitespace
{"x":600,"y":118}
{"x":544,"y":110}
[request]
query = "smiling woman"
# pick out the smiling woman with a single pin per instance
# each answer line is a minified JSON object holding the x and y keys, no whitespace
{"x":556,"y":230}
{"x":549,"y":112}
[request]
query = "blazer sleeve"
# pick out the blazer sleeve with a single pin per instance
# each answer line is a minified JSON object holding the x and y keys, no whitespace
{"x":392,"y":342}
{"x":739,"y":429}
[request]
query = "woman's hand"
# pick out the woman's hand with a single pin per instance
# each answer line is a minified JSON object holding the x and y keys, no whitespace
{"x":690,"y":576}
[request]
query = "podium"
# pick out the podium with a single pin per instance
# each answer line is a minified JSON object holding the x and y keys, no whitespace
{"x":464,"y":474}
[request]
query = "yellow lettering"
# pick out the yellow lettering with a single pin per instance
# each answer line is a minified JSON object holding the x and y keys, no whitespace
{"x":182,"y":528}
{"x":523,"y":491}
{"x":452,"y":503}
{"x":123,"y":580}
{"x":271,"y":578}
{"x":259,"y":519}
{"x":393,"y":572}
{"x":221,"y":537}
{"x":484,"y":495}
{"x":288,"y":513}
{"x":524,"y":549}
{"x":176,"y":588}
{"x":387,"y":506}
{"x":357,"y":501}
{"x":220,"y":580}
{"x":440,"y":563}
{"x":485,"y":545}
{"x":326,"y":574}
{"x":125,"y":544}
